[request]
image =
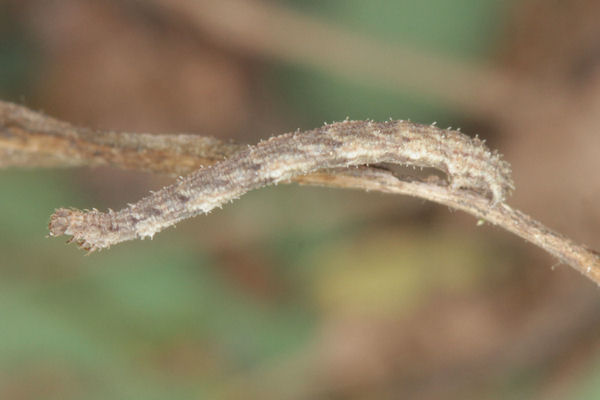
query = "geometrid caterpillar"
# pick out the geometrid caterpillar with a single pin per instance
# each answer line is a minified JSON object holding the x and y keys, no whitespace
{"x":467,"y":162}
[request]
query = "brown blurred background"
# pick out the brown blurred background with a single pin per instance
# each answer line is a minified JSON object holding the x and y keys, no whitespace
{"x":297,"y":292}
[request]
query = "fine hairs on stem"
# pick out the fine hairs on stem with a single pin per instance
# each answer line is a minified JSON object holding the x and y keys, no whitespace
{"x":336,"y":155}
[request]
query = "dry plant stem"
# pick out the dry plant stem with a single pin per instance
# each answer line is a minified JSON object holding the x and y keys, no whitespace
{"x":32,"y":139}
{"x":579,"y":257}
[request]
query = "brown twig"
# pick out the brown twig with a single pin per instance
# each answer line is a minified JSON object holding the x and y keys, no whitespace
{"x":267,"y":30}
{"x":32,"y":139}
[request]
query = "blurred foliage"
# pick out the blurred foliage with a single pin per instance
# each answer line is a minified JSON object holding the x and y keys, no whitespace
{"x":590,"y":388}
{"x":18,"y":58}
{"x":238,"y":304}
{"x":112,"y":316}
{"x":463,"y":28}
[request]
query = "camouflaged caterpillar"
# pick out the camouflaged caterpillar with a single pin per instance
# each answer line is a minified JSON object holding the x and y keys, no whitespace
{"x":467,"y":162}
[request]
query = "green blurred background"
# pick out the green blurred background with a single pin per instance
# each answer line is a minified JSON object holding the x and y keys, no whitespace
{"x":290,"y":292}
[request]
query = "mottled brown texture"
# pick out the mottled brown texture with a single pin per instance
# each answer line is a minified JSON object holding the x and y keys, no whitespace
{"x":466,"y":161}
{"x":22,"y":131}
{"x":31,"y":139}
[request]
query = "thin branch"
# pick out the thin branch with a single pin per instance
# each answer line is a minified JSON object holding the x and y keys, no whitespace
{"x":269,"y":30}
{"x":584,"y":260}
{"x":30,"y":139}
